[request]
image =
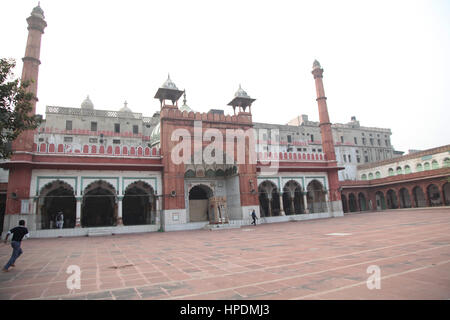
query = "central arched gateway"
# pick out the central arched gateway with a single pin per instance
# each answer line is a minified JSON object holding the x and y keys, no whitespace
{"x":199,"y":197}
{"x":139,"y":205}
{"x":57,"y":196}
{"x":99,"y":207}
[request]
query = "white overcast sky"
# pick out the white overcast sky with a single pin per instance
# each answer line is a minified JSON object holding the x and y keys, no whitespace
{"x":385,"y":62}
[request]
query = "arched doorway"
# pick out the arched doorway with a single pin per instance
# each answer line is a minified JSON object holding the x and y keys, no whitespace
{"x":353,"y":206}
{"x":434,"y":195}
{"x":269,"y":199}
{"x":405,"y":200}
{"x":138,"y":205}
{"x":419,"y":197}
{"x":316,"y":197}
{"x":381,"y":201}
{"x":362,"y":202}
{"x":446,"y":193}
{"x":99,"y":207}
{"x":344,"y":203}
{"x":293,"y":198}
{"x":391,"y":199}
{"x":199,"y":196}
{"x":54,"y":197}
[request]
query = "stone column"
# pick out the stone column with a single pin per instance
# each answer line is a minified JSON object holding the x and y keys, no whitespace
{"x":411,"y":197}
{"x":119,"y":211}
{"x":282,"y":213}
{"x":291,"y":204}
{"x":270,"y":207}
{"x":78,"y":213}
{"x":327,"y":201}
{"x":443,"y":195}
{"x":305,"y":202}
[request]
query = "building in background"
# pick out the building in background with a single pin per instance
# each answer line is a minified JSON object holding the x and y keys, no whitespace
{"x":354,"y":144}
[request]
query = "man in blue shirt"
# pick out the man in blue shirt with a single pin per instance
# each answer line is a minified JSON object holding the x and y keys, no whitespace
{"x":18,"y":234}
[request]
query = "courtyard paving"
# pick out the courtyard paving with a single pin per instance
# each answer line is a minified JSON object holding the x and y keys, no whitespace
{"x":318,"y":259}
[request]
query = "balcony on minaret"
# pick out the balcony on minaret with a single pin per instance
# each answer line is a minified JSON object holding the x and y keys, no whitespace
{"x":168,"y":92}
{"x":242,"y":101}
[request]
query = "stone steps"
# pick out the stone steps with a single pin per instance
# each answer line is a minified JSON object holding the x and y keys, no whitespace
{"x":94,"y":232}
{"x":221,"y":226}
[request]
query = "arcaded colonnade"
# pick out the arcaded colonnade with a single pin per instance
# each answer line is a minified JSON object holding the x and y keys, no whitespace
{"x":381,"y":195}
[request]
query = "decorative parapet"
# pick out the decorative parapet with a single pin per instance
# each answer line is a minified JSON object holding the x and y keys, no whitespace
{"x":290,"y":156}
{"x":96,"y":150}
{"x":92,"y":112}
{"x":175,"y":113}
{"x":50,"y":130}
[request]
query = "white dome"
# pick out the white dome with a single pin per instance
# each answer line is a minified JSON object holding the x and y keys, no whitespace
{"x":241,"y":93}
{"x":125,"y":108}
{"x":168,"y":84}
{"x":87,"y":104}
{"x":156,"y":133}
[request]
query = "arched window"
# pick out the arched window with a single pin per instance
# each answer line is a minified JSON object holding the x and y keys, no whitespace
{"x":426,"y":166}
{"x":407,"y":169}
{"x":419,"y":167}
{"x":434,"y":165}
{"x":399,"y":170}
{"x":370,"y":176}
{"x":391,"y":172}
{"x":364,"y":177}
{"x":446,"y":162}
{"x":377,"y":175}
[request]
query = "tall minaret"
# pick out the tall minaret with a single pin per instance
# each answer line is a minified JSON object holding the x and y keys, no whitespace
{"x":325,"y":124}
{"x":19,"y":181}
{"x":327,"y":137}
{"x":30,"y":71}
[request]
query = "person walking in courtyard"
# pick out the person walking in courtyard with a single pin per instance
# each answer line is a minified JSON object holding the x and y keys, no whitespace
{"x":19,"y":233}
{"x":254,"y":217}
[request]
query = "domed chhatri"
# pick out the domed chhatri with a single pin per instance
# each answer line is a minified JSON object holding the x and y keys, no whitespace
{"x":87,"y":104}
{"x":241,"y":100}
{"x":168,"y":91}
{"x":38,"y":12}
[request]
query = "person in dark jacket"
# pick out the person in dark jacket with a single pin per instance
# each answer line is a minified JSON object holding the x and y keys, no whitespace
{"x":254,"y":217}
{"x":19,"y":233}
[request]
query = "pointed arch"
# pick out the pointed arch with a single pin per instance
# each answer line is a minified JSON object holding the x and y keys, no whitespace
{"x":139,"y":204}
{"x":316,"y":197}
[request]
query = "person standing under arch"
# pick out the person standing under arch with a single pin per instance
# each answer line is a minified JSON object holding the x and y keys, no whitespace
{"x":60,"y":220}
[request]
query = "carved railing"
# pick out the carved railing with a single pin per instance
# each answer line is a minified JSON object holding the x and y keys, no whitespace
{"x":290,"y":156}
{"x":92,"y":112}
{"x":94,"y":149}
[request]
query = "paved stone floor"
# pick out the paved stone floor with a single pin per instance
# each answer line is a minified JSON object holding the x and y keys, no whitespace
{"x":292,"y":260}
